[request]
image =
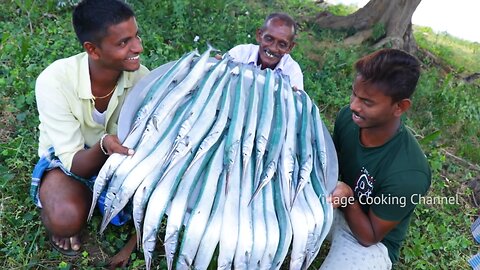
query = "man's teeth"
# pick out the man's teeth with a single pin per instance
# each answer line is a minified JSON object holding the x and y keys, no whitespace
{"x":134,"y":58}
{"x":269,"y":54}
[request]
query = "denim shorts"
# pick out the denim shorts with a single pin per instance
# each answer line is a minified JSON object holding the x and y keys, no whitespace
{"x":50,"y":161}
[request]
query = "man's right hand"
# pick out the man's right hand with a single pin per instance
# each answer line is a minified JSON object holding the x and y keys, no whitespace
{"x":112,"y":144}
{"x":341,"y":195}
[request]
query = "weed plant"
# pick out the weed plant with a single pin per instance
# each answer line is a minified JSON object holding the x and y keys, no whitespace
{"x":445,"y":115}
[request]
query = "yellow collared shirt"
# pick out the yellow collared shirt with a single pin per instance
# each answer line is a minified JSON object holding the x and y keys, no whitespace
{"x":65,"y":105}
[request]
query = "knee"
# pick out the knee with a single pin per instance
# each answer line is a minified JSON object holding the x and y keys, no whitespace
{"x":64,"y":219}
{"x":65,"y":204}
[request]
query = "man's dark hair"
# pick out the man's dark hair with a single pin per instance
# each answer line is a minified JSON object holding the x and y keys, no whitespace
{"x":396,"y":71}
{"x":91,"y":18}
{"x":285,"y":18}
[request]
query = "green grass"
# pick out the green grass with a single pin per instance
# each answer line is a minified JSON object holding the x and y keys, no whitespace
{"x":445,"y":115}
{"x":463,"y":56}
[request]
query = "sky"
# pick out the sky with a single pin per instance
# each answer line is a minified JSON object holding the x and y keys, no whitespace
{"x":459,"y":18}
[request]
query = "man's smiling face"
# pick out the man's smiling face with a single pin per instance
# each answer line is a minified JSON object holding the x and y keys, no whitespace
{"x":121,"y":48}
{"x":275,"y":40}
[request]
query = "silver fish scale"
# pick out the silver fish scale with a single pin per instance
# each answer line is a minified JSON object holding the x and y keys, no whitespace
{"x":230,"y":154}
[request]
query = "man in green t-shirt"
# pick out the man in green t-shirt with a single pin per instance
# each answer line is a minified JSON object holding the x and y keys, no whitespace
{"x":383,"y":171}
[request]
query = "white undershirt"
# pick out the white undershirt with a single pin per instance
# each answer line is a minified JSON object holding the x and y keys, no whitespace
{"x":99,"y":117}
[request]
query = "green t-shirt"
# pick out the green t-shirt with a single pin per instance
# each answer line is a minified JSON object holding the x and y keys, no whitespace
{"x":387,"y":179}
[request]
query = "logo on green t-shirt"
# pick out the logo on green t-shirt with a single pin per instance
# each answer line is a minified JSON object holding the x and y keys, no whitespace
{"x":364,"y":184}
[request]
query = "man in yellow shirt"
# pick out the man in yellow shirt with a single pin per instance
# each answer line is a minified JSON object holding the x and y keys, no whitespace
{"x":79,"y":100}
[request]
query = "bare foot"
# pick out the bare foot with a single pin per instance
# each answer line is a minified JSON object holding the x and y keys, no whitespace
{"x":66,"y":245}
{"x":121,"y":259}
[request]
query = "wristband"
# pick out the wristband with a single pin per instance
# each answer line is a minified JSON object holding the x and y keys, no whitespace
{"x":101,"y":144}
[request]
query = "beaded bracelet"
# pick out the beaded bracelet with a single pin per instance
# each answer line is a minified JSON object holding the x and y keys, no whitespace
{"x":101,"y":144}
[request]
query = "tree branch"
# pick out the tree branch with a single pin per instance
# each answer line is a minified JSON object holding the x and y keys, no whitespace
{"x":447,"y":153}
{"x":471,"y":78}
{"x":470,"y":165}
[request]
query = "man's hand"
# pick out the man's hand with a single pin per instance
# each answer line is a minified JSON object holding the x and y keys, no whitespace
{"x":112,"y":144}
{"x":368,"y":229}
{"x":341,"y":196}
{"x":122,"y":258}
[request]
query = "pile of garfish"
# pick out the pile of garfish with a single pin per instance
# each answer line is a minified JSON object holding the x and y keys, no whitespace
{"x":234,"y":158}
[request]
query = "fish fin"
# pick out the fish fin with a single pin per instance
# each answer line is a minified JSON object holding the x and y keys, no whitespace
{"x":213,"y":49}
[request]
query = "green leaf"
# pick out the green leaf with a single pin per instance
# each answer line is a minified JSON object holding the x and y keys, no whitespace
{"x":430,"y":137}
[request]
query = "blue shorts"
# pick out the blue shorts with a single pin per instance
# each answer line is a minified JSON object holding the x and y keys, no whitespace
{"x":48,"y":162}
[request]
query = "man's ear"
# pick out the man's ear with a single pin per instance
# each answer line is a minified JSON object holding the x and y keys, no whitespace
{"x":91,"y":49}
{"x":402,"y":106}
{"x":292,"y":44}
{"x":258,"y":35}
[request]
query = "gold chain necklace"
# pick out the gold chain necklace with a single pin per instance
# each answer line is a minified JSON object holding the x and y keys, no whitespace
{"x":107,"y":95}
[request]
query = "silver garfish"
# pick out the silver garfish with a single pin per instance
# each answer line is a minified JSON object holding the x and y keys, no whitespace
{"x":218,"y":128}
{"x":211,"y":236}
{"x":264,"y":122}
{"x":301,"y":232}
{"x":177,"y":71}
{"x":259,"y":229}
{"x":198,"y":103}
{"x":319,"y":139}
{"x":248,"y":137}
{"x":284,"y":222}
{"x":322,"y":193}
{"x":197,"y":222}
{"x":155,"y":131}
{"x":156,"y":207}
{"x":305,"y":143}
{"x":155,"y":95}
{"x":204,"y":124}
{"x":273,"y":236}
{"x":103,"y":178}
{"x":288,"y":154}
{"x":178,"y":206}
{"x":332,"y":162}
{"x":165,"y":107}
{"x":317,"y":211}
{"x":230,"y":223}
{"x":118,"y":196}
{"x":172,"y":97}
{"x":234,"y":133}
{"x":277,"y":135}
{"x":245,"y":239}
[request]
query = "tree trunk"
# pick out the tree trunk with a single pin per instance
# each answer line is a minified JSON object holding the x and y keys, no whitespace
{"x":394,"y":15}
